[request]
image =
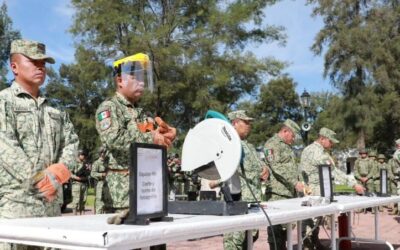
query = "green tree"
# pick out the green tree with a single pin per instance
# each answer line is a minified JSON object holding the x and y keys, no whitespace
{"x":351,"y":36}
{"x":7,"y":35}
{"x":80,"y":88}
{"x":277,"y":102}
{"x":197,"y":49}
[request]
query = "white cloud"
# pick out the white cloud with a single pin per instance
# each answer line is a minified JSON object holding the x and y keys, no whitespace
{"x":64,"y":9}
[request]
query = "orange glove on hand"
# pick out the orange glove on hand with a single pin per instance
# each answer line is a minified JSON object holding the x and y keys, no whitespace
{"x":166,"y":130}
{"x":48,"y":180}
{"x":146,"y":126}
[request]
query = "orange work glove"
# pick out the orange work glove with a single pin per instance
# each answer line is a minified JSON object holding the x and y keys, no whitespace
{"x":48,"y":180}
{"x":166,"y":130}
{"x":146,"y":126}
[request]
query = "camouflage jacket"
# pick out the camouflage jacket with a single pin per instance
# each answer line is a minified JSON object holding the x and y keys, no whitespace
{"x":116,"y":123}
{"x":363,"y":168}
{"x":313,"y":156}
{"x":284,"y":171}
{"x":33,"y":135}
{"x":252,"y":166}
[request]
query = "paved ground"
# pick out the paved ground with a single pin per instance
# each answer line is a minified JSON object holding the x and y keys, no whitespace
{"x":363,"y":227}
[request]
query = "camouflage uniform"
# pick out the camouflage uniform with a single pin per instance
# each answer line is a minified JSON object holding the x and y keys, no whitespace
{"x":33,"y":135}
{"x":252,"y":167}
{"x":364,"y":167}
{"x":79,"y":187}
{"x":313,"y":156}
{"x":393,"y":175}
{"x":283,"y":177}
{"x":396,"y":171}
{"x":377,"y":175}
{"x":98,"y":172}
{"x":116,"y":123}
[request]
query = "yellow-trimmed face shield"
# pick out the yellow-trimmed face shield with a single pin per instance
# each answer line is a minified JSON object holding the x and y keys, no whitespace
{"x":138,"y":67}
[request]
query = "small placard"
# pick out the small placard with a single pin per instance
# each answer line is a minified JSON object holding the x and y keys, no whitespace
{"x":148,"y":195}
{"x":325,"y":181}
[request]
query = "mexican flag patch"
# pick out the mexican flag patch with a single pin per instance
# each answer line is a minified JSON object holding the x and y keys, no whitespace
{"x":269,"y":154}
{"x":103,"y":115}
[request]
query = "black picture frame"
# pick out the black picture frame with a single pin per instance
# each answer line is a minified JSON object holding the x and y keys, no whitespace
{"x":383,"y":177}
{"x":325,"y":181}
{"x":136,"y":217}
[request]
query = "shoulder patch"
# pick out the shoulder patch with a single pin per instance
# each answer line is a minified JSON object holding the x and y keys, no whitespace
{"x":269,"y":154}
{"x":103,"y":115}
{"x":105,"y":123}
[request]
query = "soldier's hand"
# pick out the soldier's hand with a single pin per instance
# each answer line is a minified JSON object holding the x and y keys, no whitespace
{"x":165,"y":129}
{"x":264,"y":174}
{"x":49,"y":180}
{"x":159,"y":139}
{"x":359,"y":189}
{"x":118,"y":218}
{"x":299,"y":186}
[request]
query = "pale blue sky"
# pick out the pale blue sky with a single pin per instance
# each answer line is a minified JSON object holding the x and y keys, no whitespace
{"x":48,"y":21}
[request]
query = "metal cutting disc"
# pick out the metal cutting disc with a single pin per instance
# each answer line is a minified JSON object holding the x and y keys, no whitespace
{"x":213,"y":149}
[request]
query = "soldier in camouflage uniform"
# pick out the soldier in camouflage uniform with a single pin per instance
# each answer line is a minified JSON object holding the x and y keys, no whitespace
{"x":284,"y":175}
{"x":315,"y":154}
{"x":251,"y":170}
{"x":364,"y":171}
{"x":120,"y":122}
{"x":99,"y":173}
{"x":372,"y":156}
{"x":396,"y":172}
{"x":80,"y":176}
{"x":377,"y":176}
{"x":37,"y":140}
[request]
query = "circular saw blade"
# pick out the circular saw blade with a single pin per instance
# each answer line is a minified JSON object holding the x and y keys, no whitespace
{"x":213,"y":149}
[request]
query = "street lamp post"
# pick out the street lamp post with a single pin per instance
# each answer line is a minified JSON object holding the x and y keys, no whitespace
{"x":305,"y":101}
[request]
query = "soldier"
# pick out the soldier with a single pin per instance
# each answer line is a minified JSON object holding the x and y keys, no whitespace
{"x":377,"y":176}
{"x":364,"y":170}
{"x":79,"y":177}
{"x":312,"y":156}
{"x":120,"y":122}
{"x":396,"y":172}
{"x":249,"y":173}
{"x":99,"y":173}
{"x":284,"y":179}
{"x":37,"y":141}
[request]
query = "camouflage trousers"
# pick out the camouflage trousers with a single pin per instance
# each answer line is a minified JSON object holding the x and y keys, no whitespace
{"x":238,"y":240}
{"x":310,"y":232}
{"x":79,"y":195}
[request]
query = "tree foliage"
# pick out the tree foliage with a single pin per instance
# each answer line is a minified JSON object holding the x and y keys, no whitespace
{"x":277,"y":102}
{"x":196,"y":47}
{"x":7,"y":35}
{"x":360,"y":39}
{"x":80,"y":88}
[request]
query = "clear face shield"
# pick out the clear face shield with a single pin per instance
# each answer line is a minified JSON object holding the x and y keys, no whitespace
{"x":136,"y":70}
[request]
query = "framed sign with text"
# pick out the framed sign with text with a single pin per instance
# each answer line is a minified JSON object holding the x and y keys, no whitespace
{"x":325,"y":181}
{"x":148,"y":185}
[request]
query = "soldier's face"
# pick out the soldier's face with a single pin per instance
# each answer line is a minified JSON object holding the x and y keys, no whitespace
{"x":289,"y":136}
{"x":242,"y":127}
{"x":363,"y":155}
{"x":28,"y":71}
{"x":130,"y":87}
{"x":326,"y":143}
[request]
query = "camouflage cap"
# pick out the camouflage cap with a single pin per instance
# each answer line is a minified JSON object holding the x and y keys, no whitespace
{"x":397,"y":141}
{"x":363,"y":151}
{"x":330,"y":134}
{"x":293,"y":126}
{"x":372,"y":153}
{"x":239,"y":114}
{"x":31,"y":49}
{"x":381,"y":156}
